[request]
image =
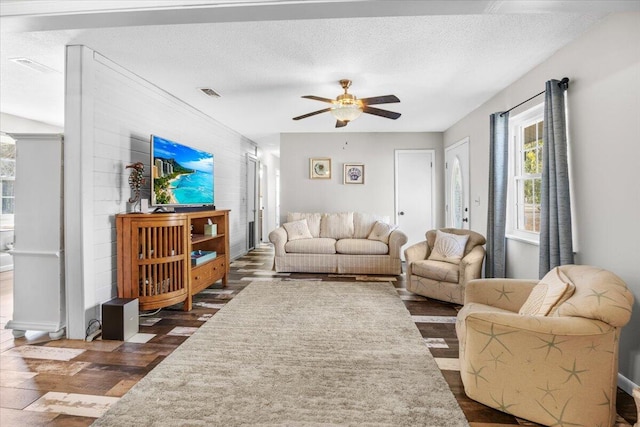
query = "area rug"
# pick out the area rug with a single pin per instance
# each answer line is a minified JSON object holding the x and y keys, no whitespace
{"x":297,"y":354}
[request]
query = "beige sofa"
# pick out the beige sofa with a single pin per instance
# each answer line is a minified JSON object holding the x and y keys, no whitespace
{"x":343,"y":242}
{"x":545,"y":351}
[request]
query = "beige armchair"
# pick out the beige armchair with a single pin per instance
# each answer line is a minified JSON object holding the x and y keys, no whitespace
{"x":443,"y":280}
{"x":558,"y":368}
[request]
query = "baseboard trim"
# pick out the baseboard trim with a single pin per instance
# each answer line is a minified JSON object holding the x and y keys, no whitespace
{"x":626,"y":384}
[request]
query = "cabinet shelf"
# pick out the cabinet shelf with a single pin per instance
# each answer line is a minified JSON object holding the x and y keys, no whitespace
{"x":162,"y":260}
{"x":198,"y":238}
{"x":154,"y":256}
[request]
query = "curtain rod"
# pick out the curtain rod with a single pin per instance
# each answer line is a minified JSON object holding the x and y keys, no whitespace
{"x":564,"y":84}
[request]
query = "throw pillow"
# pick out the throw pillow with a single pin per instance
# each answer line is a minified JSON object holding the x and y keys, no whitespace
{"x":532,"y":305}
{"x":363,"y":223}
{"x":560,"y":284}
{"x":313,"y":221}
{"x":381,"y":231}
{"x":552,"y":290}
{"x":337,"y":225}
{"x":297,"y":230}
{"x":448,"y":247}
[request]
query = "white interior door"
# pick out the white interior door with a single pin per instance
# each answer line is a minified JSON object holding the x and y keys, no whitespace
{"x":456,"y":169}
{"x":263,"y":233}
{"x":414,"y":193}
{"x":252,"y":202}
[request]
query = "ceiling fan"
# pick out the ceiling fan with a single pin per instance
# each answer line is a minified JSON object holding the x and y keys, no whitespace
{"x":346,"y":107}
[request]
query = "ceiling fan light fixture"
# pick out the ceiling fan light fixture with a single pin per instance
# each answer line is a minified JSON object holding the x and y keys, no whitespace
{"x":346,"y":107}
{"x":346,"y":110}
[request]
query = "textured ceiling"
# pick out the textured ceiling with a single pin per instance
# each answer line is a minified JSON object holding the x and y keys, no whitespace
{"x":440,"y":65}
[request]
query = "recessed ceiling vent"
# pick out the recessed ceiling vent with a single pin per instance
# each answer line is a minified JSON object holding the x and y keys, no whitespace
{"x":210,"y":92}
{"x":30,"y":63}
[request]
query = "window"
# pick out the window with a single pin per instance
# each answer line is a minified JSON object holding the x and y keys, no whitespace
{"x":7,"y":179}
{"x":525,"y":170}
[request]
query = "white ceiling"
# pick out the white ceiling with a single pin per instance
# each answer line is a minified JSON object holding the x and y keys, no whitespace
{"x":441,"y":58}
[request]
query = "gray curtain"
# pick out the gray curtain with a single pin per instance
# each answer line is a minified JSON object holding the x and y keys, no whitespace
{"x":495,"y":263}
{"x":556,"y":247}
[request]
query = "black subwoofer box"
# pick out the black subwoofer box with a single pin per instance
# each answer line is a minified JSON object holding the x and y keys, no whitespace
{"x":119,"y":319}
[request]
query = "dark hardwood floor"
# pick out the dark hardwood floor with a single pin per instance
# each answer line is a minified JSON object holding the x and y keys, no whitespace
{"x":71,"y":382}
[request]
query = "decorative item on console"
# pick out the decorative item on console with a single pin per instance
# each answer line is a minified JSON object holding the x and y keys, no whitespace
{"x":136,"y":181}
{"x":210,"y":229}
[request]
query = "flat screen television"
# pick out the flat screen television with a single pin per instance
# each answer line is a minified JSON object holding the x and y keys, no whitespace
{"x":180,"y":175}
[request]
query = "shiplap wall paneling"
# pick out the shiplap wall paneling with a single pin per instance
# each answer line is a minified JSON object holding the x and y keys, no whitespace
{"x":124,"y":111}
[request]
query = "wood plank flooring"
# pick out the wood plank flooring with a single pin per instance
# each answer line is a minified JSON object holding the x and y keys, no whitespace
{"x":71,"y":382}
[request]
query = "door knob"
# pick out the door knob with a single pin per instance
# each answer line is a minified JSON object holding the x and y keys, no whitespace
{"x":465,"y":219}
{"x":401,"y":213}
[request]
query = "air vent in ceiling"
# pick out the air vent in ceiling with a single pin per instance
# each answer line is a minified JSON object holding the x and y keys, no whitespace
{"x":209,"y":92}
{"x":30,"y":63}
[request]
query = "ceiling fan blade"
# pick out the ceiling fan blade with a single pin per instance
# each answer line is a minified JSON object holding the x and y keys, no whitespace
{"x":318,"y":98}
{"x":304,"y":116}
{"x":385,"y":99}
{"x":380,"y":112}
{"x":340,"y":124}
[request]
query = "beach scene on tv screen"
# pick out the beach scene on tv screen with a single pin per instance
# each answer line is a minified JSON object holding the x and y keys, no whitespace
{"x":181,"y":175}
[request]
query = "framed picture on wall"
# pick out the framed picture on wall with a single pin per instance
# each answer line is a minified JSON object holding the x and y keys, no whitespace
{"x":320,"y":168}
{"x":354,"y":173}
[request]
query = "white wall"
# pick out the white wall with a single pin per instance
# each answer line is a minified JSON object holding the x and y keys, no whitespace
{"x":604,"y":127}
{"x":110,"y":115}
{"x":375,"y":150}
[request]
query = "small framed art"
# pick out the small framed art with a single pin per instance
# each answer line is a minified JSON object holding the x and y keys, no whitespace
{"x":353,"y":173}
{"x":320,"y":168}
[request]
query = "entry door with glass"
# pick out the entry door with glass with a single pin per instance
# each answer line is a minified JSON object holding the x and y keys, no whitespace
{"x":457,"y":184}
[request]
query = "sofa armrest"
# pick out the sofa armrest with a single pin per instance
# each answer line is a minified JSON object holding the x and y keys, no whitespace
{"x":416,"y":252}
{"x":396,"y":239}
{"x":279,"y":237}
{"x":507,"y":294}
{"x":550,"y":325}
{"x":471,"y":265}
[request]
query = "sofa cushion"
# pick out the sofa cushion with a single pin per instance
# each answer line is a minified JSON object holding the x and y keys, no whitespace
{"x":381,"y":231}
{"x":554,"y":289}
{"x":363,"y":224}
{"x":313,"y":221}
{"x":318,"y":245}
{"x":361,"y":247}
{"x":436,"y":270}
{"x":297,"y":230}
{"x":448,"y":247}
{"x":337,"y":225}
